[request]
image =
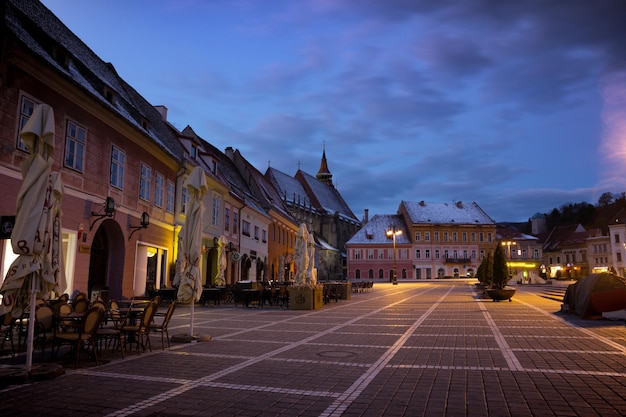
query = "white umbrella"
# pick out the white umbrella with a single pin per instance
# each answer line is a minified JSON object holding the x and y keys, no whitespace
{"x":190,"y":279}
{"x":36,"y":235}
{"x":220,"y":280}
{"x":301,"y":254}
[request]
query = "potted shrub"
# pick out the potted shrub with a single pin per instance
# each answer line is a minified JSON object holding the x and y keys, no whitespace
{"x":500,"y":277}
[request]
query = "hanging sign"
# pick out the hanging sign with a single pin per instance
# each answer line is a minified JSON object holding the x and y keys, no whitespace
{"x":6,"y":226}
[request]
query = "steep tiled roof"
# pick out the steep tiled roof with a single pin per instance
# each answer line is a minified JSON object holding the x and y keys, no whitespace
{"x":325,"y":197}
{"x":306,"y":190}
{"x":570,"y":235}
{"x":289,"y":188}
{"x":375,"y":231}
{"x":445,"y":213}
{"x":505,"y":232}
{"x":39,"y":30}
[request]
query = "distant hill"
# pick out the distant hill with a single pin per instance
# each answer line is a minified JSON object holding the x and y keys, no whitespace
{"x":590,"y":216}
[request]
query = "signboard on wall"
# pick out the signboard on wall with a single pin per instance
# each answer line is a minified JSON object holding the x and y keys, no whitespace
{"x":6,"y":226}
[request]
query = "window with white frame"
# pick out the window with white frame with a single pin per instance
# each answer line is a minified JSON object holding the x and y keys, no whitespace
{"x":418,"y":236}
{"x":264,"y":236}
{"x":27,"y":106}
{"x":357,"y":254}
{"x":418,"y":254}
{"x":427,"y":253}
{"x":381,"y":254}
{"x":227,"y":219}
{"x":184,"y":198}
{"x":256,"y":232}
{"x":235,"y":222}
{"x":159,"y":189}
{"x":215,"y":215}
{"x":144,"y":182}
{"x":370,"y":254}
{"x":118,"y":160}
{"x":171,"y":192}
{"x":75,"y":137}
{"x":245,"y":228}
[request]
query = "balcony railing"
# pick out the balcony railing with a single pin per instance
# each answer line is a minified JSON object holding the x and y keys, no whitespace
{"x":450,"y":260}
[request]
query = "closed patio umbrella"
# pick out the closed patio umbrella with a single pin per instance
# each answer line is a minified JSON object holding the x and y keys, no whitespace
{"x":311,"y":274}
{"x":220,"y":280}
{"x":36,"y":235}
{"x":189,"y":279}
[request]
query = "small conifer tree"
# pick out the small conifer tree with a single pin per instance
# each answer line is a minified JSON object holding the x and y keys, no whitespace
{"x":500,"y":270}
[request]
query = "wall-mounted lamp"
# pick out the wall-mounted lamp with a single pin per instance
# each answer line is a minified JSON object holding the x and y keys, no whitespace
{"x":109,"y":211}
{"x":143,"y":223}
{"x":230,"y":246}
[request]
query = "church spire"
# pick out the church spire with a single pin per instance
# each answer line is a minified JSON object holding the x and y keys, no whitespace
{"x":324,"y":174}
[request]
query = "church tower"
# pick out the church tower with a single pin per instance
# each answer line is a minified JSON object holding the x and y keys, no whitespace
{"x":324,"y":174}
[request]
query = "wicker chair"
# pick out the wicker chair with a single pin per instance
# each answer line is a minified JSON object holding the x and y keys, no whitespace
{"x":162,"y":327}
{"x":85,"y":334}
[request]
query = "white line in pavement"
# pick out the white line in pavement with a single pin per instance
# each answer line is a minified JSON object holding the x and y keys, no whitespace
{"x":164,"y":396}
{"x":507,"y":352}
{"x":347,"y":397}
{"x":588,"y":332}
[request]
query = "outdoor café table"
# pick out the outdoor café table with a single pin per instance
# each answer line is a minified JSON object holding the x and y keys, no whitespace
{"x":211,"y":294}
{"x":251,"y":295}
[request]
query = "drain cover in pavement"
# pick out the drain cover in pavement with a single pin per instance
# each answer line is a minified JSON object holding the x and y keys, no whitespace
{"x":336,"y":354}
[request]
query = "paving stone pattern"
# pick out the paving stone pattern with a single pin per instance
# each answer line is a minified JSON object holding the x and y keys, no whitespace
{"x":415,"y":349}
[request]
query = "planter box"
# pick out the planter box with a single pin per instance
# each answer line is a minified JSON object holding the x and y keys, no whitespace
{"x":305,"y":298}
{"x":505,"y":293}
{"x":345,"y":289}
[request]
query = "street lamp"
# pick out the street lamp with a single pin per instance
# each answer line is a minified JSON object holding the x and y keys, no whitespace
{"x":508,"y":244}
{"x":392,"y":232}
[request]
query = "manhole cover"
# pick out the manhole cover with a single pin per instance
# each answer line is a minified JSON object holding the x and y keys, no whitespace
{"x":336,"y":354}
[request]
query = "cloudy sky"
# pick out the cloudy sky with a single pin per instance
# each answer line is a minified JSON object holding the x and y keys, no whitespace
{"x":517,"y":105}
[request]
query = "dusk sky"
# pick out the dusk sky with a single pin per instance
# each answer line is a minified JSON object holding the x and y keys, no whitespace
{"x":519,"y":106}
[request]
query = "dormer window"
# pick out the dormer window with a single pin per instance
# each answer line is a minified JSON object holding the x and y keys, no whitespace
{"x":145,"y":123}
{"x":109,"y":95}
{"x":193,"y":152}
{"x":61,"y":56}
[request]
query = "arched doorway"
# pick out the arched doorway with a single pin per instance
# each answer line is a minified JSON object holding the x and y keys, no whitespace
{"x":246,"y":264}
{"x":106,"y":261}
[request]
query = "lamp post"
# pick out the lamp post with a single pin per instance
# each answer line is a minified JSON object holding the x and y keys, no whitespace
{"x":508,"y":244}
{"x":392,"y":232}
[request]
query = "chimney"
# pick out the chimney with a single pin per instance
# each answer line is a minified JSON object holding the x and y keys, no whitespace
{"x":162,"y":111}
{"x":366,"y":218}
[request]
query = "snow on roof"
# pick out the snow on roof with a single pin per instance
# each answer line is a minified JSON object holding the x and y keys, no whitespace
{"x":329,"y":198}
{"x":446,"y":213}
{"x":87,"y":70}
{"x":290,"y":188}
{"x":375,"y":231}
